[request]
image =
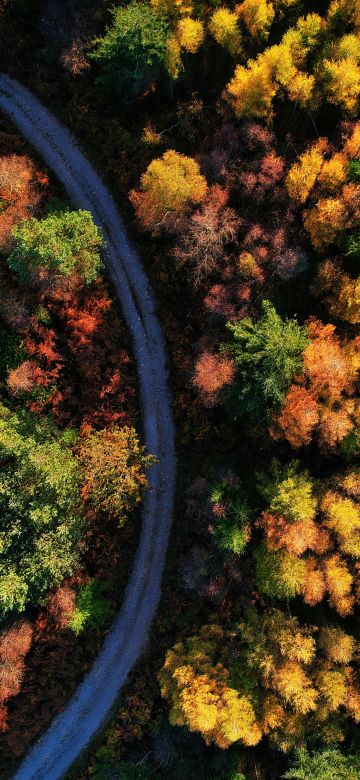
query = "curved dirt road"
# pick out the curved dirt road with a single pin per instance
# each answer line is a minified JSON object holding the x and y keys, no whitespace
{"x":71,"y":731}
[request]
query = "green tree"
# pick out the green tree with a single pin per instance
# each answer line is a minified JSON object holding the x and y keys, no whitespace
{"x":64,"y":243}
{"x":231,"y":516}
{"x":40,"y":515}
{"x":267,"y":354}
{"x":352,"y":246}
{"x":134,"y":49}
{"x":328,"y":764}
{"x":354,"y":171}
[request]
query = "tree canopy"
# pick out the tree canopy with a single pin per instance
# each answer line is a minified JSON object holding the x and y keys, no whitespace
{"x":41,"y":520}
{"x":113,"y":470}
{"x":323,"y":765}
{"x":171,"y":185}
{"x":134,"y":48}
{"x":267,"y":354}
{"x":63,"y":243}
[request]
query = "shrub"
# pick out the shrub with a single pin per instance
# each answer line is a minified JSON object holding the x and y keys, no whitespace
{"x":94,"y":608}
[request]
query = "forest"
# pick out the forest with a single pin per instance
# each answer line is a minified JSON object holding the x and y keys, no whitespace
{"x":228,"y":135}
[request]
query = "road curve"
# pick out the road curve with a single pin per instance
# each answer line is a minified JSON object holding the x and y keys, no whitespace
{"x":72,"y":730}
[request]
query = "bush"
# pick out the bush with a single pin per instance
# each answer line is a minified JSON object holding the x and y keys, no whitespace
{"x":93,"y":608}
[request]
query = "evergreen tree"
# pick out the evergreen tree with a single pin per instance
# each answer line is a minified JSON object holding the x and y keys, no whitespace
{"x":267,"y":354}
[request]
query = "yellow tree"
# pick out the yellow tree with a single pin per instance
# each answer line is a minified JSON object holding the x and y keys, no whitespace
{"x":113,"y":470}
{"x":342,"y":517}
{"x":346,"y":303}
{"x":254,"y":86}
{"x":279,"y":656}
{"x":279,"y":574}
{"x":339,"y":584}
{"x":332,"y":687}
{"x":345,"y":12}
{"x":172,"y":9}
{"x":303,"y":174}
{"x":197,"y":688}
{"x":279,"y":62}
{"x":257,"y":16}
{"x":333,"y":173}
{"x":171,"y":184}
{"x":325,"y":221}
{"x":348,"y":47}
{"x":224,"y":26}
{"x":301,"y":90}
{"x":174,"y":63}
{"x":343,"y":297}
{"x":337,"y":645}
{"x":352,"y":145}
{"x":342,"y":83}
{"x":190,"y":34}
{"x":301,"y":38}
{"x":295,"y":687}
{"x":251,"y":90}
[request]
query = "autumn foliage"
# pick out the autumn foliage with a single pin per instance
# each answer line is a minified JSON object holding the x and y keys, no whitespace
{"x":321,"y":404}
{"x":321,"y":174}
{"x":234,"y":127}
{"x":21,"y":187}
{"x":311,"y":540}
{"x":170,"y":186}
{"x":200,"y":695}
{"x":15,"y":643}
{"x":300,"y":681}
{"x":113,"y":463}
{"x":212,"y":373}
